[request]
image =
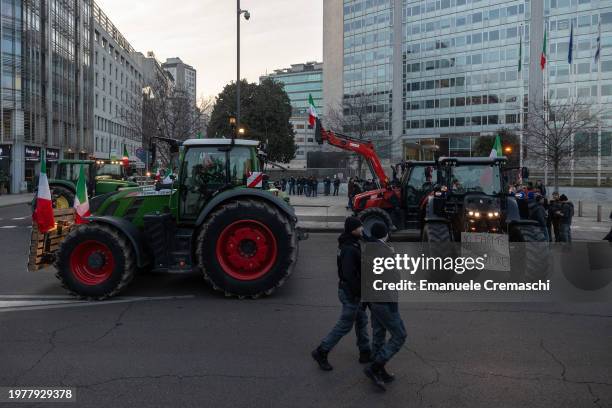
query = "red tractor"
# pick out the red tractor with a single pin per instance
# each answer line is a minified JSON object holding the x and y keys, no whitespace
{"x":394,"y":202}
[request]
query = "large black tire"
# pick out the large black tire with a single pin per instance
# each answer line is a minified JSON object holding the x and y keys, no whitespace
{"x":247,"y":248}
{"x":371,"y":216}
{"x":61,"y":194}
{"x":529,"y":261}
{"x":95,"y":262}
{"x":436,"y":232}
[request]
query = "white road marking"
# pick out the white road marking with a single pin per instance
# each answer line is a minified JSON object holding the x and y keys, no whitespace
{"x":8,"y":226}
{"x":19,"y":218}
{"x":23,"y":305}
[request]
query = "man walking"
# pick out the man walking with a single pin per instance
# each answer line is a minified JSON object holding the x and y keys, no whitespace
{"x":385,"y":318}
{"x":349,"y":293}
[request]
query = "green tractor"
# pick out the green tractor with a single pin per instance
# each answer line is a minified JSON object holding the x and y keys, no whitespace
{"x":243,"y":240}
{"x":103,"y":176}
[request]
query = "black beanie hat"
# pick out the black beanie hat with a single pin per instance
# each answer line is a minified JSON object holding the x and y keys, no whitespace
{"x":351,"y":224}
{"x":563,"y":197}
{"x":379,"y":230}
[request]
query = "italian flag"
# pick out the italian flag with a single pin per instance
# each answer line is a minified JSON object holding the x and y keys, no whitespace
{"x":543,"y":56}
{"x":81,"y":202}
{"x":496,"y":151}
{"x":43,"y":215}
{"x":312,"y":111}
{"x":126,"y":157}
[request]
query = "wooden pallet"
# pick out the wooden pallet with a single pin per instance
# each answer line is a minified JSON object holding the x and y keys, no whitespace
{"x":44,"y":245}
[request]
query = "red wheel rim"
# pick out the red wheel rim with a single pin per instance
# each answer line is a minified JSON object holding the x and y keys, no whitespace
{"x":246,"y":249}
{"x":92,"y":262}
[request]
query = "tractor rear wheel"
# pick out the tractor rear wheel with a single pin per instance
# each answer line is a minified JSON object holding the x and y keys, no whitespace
{"x":62,"y":197}
{"x":95,"y":262}
{"x":530,"y":264}
{"x":247,"y":248}
{"x":371,"y":216}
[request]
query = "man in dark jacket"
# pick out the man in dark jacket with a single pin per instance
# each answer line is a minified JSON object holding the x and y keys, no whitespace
{"x":538,"y":213}
{"x":565,"y":222}
{"x":385,"y":318}
{"x":349,"y":293}
{"x":336,"y":185}
{"x":554,"y":216}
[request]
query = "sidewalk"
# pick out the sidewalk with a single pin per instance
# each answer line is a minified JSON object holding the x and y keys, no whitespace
{"x":13,"y":199}
{"x":327,"y":214}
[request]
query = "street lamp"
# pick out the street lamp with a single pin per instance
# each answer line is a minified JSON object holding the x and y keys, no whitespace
{"x":247,"y":16}
{"x":508,"y":149}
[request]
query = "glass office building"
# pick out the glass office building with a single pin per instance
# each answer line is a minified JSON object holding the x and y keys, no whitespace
{"x":300,"y":81}
{"x":46,"y":94}
{"x":446,"y":72}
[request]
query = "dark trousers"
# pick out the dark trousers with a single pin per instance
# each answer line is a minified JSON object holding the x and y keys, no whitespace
{"x":386,"y":318}
{"x":352,"y":314}
{"x":335,"y":190}
{"x":565,"y":232}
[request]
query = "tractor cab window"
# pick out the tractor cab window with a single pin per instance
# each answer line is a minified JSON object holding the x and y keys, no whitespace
{"x":71,"y":171}
{"x":243,"y":160}
{"x":203,"y":173}
{"x":421,"y":180}
{"x":114,"y":171}
{"x":475,"y":178}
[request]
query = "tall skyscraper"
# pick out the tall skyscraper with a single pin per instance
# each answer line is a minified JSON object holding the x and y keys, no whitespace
{"x":184,"y":77}
{"x":445,"y":72}
{"x":46,"y":91}
{"x":300,"y":81}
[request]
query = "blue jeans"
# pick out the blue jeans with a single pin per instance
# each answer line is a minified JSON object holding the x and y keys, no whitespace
{"x":386,"y":318}
{"x":352,"y":313}
{"x":565,"y":232}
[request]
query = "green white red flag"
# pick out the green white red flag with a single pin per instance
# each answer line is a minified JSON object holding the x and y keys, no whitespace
{"x":312,"y":111}
{"x":126,"y":157}
{"x":43,"y":214}
{"x":81,"y":201}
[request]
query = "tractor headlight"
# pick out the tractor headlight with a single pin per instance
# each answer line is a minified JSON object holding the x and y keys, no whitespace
{"x":477,"y":214}
{"x":471,"y":213}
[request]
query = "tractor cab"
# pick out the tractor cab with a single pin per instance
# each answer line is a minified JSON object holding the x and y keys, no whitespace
{"x":210,"y":166}
{"x":417,"y":182}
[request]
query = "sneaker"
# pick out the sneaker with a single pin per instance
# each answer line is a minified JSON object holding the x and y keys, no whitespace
{"x":386,"y":376}
{"x":373,"y":373}
{"x":365,"y":357}
{"x":320,"y":357}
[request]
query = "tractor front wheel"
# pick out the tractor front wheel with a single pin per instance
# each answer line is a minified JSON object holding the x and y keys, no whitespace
{"x":247,"y":248}
{"x":371,"y":216}
{"x":62,"y":197}
{"x":95,"y":262}
{"x":530,"y":260}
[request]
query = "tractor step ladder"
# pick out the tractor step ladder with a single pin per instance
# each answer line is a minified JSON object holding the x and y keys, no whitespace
{"x":44,"y":245}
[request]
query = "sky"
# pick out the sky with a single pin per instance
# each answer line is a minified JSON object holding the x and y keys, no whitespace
{"x":203,"y":34}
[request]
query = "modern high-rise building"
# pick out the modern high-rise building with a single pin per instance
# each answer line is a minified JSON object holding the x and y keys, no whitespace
{"x":46,"y":93}
{"x":118,"y":84}
{"x":184,"y":77}
{"x":442,"y":73}
{"x":300,"y":81}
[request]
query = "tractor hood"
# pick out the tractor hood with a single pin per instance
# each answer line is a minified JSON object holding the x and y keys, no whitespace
{"x":132,"y":203}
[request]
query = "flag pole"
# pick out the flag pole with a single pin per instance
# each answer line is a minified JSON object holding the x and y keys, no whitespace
{"x":598,"y":57}
{"x":544,"y":101}
{"x":521,"y":97}
{"x":574,"y":87}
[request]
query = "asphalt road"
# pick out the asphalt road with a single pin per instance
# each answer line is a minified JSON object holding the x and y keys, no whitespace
{"x":170,"y":341}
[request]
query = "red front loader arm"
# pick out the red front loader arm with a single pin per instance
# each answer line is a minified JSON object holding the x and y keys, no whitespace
{"x":363,"y":148}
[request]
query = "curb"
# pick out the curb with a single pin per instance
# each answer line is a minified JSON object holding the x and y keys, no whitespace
{"x":14,"y":204}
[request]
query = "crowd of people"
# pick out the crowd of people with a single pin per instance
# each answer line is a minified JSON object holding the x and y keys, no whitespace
{"x":356,"y":186}
{"x":554,"y":215}
{"x":309,"y":186}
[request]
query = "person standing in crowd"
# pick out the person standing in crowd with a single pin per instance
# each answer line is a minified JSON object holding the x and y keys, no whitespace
{"x":283,"y":184}
{"x":540,"y":186}
{"x":385,"y":318}
{"x":327,"y":185}
{"x":291,"y":185}
{"x":315,"y":186}
{"x":554,"y":216}
{"x":307,"y":186}
{"x":351,"y":186}
{"x":565,"y":221}
{"x":538,"y":213}
{"x":349,"y":294}
{"x":336,"y":184}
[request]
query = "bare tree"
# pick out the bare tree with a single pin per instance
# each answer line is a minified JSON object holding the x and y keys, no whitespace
{"x":166,"y":111}
{"x":361,"y":117}
{"x":558,"y":131}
